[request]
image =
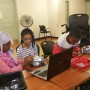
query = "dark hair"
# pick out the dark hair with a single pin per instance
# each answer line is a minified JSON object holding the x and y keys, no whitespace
{"x":25,"y":32}
{"x":78,"y":33}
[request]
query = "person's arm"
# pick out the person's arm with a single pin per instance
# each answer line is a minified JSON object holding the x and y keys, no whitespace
{"x":4,"y":68}
{"x":77,"y":50}
{"x":27,"y":60}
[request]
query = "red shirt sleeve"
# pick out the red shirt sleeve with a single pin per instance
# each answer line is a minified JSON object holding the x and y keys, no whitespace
{"x":56,"y":49}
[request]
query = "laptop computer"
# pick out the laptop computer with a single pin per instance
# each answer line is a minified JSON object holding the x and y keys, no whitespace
{"x":57,"y":64}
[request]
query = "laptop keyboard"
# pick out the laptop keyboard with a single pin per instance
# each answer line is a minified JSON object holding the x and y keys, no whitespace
{"x":43,"y":74}
{"x":37,"y":71}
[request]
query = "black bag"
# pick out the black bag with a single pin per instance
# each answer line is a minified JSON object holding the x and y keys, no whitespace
{"x":12,"y":81}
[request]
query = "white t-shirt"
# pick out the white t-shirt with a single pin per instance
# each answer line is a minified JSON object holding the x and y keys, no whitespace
{"x":63,"y":43}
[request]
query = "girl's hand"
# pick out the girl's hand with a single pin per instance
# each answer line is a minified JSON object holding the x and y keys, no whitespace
{"x":30,"y":58}
{"x":77,"y":51}
{"x":27,"y":60}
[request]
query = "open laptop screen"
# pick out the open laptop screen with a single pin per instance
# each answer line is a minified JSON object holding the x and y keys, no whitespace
{"x":59,"y":62}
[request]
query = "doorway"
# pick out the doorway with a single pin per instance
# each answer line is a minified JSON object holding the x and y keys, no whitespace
{"x":8,"y":18}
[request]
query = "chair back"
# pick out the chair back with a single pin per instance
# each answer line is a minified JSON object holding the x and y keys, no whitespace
{"x":47,"y":47}
{"x":79,"y":20}
{"x":42,"y":29}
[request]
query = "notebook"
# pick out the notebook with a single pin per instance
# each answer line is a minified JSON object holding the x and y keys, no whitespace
{"x":57,"y":64}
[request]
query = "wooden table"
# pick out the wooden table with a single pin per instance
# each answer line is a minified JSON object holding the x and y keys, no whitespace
{"x":64,"y":81}
{"x":34,"y":83}
{"x":70,"y":78}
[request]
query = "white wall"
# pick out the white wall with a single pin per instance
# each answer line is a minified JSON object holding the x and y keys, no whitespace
{"x":61,"y":17}
{"x":37,"y":9}
{"x":56,"y":15}
{"x":55,"y":7}
{"x":88,"y":9}
{"x":50,"y":13}
{"x":77,"y":6}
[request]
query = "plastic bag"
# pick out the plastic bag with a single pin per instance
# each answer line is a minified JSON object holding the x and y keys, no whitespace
{"x":38,"y":60}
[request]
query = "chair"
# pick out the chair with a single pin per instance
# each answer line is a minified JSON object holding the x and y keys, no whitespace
{"x":79,"y":20}
{"x":47,"y":47}
{"x":44,"y":31}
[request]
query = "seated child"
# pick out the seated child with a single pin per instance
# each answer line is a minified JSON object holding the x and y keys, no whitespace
{"x":7,"y":62}
{"x":27,"y":46}
{"x":68,"y":40}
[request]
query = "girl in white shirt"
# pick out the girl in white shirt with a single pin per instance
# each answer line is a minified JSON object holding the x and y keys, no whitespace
{"x":68,"y":40}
